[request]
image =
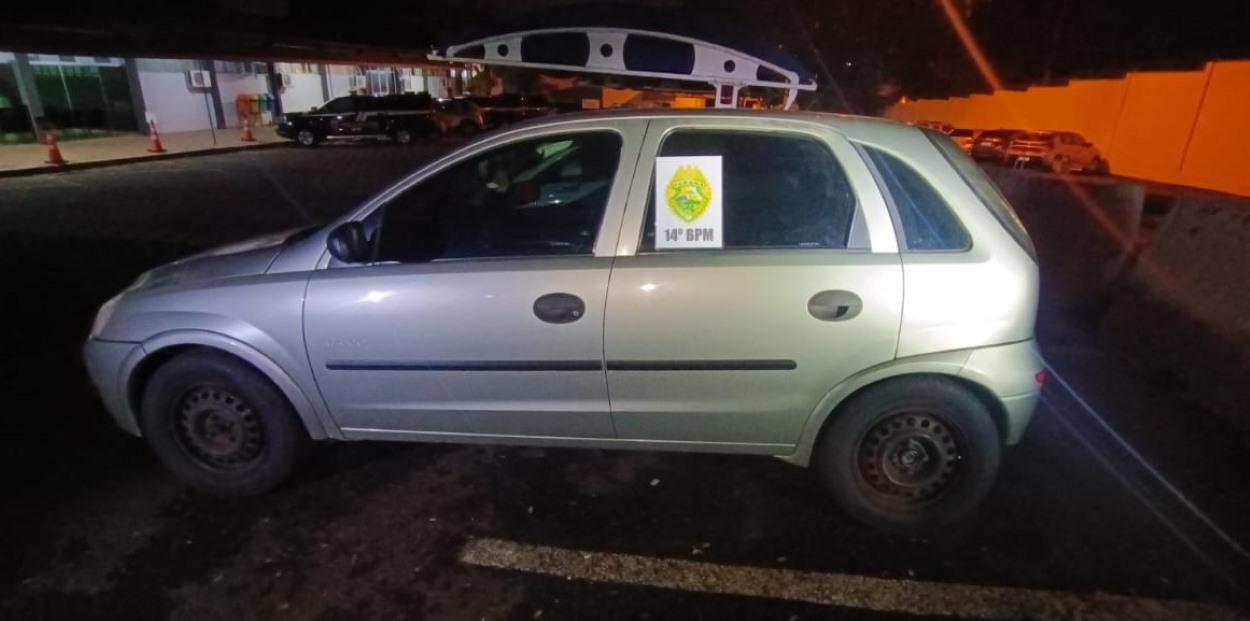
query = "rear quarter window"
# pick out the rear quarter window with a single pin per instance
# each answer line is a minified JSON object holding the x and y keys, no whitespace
{"x":985,"y":190}
{"x":927,"y":221}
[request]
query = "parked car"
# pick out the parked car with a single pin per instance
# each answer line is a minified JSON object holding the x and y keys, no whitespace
{"x":941,"y":126}
{"x":964,"y":138}
{"x":499,"y":110}
{"x":844,"y":293}
{"x":991,"y":145}
{"x":403,"y":118}
{"x":460,"y":115}
{"x":1059,"y":152}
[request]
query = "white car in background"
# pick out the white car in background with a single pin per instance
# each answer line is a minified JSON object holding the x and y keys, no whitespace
{"x":1058,"y":152}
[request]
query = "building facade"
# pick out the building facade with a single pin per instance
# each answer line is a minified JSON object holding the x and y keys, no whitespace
{"x":83,"y":97}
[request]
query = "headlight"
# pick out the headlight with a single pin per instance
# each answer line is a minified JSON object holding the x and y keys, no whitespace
{"x":103,"y":316}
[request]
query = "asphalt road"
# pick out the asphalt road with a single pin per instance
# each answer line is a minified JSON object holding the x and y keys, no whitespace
{"x":1123,"y":501}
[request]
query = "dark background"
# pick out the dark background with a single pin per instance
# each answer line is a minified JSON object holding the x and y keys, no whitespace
{"x":870,"y":51}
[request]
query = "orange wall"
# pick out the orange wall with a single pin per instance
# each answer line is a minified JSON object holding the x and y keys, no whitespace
{"x":1220,"y":148}
{"x":1188,"y":128}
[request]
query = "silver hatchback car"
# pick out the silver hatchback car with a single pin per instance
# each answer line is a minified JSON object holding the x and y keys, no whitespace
{"x":845,"y":293}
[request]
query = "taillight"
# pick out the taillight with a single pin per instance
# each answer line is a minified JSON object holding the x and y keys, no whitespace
{"x":1040,"y":376}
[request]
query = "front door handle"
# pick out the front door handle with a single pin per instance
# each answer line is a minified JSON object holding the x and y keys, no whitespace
{"x":559,"y":308}
{"x":835,"y":305}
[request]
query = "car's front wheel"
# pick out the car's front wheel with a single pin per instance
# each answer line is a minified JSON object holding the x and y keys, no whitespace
{"x":910,"y":454}
{"x":307,"y":138}
{"x":220,"y":426}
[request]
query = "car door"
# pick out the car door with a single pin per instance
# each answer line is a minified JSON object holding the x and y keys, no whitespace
{"x":773,"y":276}
{"x":338,"y":116}
{"x":371,"y":117}
{"x":483,"y":312}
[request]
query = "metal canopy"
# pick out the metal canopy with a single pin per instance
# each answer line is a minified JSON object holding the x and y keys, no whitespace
{"x":634,"y":53}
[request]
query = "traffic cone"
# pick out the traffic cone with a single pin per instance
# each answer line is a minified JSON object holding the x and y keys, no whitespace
{"x":54,"y":152}
{"x":247,"y":131}
{"x":154,"y":139}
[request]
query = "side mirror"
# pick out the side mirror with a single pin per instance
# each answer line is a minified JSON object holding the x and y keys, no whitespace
{"x":348,"y":243}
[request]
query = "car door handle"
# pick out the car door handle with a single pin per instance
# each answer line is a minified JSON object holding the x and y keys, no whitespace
{"x":835,"y":305}
{"x":559,"y":308}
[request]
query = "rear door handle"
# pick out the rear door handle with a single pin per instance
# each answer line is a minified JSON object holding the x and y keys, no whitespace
{"x":835,"y":305}
{"x":559,"y":308}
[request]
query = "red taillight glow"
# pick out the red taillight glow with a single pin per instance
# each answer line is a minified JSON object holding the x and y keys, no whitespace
{"x":1040,"y":376}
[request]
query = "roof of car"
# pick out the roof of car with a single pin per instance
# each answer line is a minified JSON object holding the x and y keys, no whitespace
{"x":824,"y":118}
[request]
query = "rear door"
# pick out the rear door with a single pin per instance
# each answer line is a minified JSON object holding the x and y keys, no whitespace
{"x":763,"y":272}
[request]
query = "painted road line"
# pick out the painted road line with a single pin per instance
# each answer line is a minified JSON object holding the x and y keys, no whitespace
{"x":877,"y":594}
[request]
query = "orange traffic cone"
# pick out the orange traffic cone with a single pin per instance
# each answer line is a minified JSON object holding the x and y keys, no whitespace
{"x":154,"y":139}
{"x":54,"y":152}
{"x":247,"y":131}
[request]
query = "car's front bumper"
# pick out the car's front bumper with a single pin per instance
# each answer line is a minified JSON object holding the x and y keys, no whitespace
{"x":109,"y":364}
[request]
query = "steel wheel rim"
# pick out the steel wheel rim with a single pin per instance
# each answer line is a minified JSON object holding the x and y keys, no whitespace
{"x":218,"y":429}
{"x":306,"y":138}
{"x":403,"y":137}
{"x":911,"y":458}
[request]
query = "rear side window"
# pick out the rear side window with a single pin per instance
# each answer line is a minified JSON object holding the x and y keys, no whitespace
{"x":339,"y":105}
{"x":776,"y":191}
{"x":927,"y":221}
{"x":985,"y":190}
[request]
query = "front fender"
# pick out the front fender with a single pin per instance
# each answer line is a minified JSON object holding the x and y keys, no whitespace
{"x":305,"y":399}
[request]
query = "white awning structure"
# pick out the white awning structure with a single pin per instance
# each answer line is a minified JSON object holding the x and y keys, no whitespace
{"x":632,"y":53}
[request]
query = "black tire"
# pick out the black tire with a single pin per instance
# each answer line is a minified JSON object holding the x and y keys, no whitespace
{"x":402,"y":136}
{"x":307,"y":138}
{"x":867,"y":454}
{"x":1100,"y":167}
{"x":1059,"y":166}
{"x":220,"y":426}
{"x":467,"y":128}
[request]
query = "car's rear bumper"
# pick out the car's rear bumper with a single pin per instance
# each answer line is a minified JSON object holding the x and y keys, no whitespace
{"x":108,"y":364}
{"x":1013,"y":373}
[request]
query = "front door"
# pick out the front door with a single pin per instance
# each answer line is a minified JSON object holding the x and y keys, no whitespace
{"x":765,"y":273}
{"x":483,"y":314}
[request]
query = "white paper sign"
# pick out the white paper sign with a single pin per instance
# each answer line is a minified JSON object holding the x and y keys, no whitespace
{"x":688,"y":193}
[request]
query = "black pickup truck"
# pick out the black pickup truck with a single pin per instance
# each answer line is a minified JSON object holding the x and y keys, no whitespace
{"x":402,"y":118}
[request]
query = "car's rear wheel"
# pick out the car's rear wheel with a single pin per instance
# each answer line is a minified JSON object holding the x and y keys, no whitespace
{"x":468,"y":128}
{"x":910,"y":454}
{"x":1099,"y":167}
{"x":1059,"y":165}
{"x":307,"y":138}
{"x":220,"y":426}
{"x":402,"y":136}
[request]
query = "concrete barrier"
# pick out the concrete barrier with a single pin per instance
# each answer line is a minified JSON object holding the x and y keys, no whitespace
{"x":1173,"y":296}
{"x":1185,"y":306}
{"x":1085,"y":230}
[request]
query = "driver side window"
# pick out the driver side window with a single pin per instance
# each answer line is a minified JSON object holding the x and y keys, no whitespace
{"x":538,"y":197}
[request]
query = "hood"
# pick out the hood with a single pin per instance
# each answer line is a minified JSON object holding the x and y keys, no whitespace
{"x":244,"y":258}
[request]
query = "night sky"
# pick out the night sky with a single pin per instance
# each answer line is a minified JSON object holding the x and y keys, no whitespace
{"x":869,"y":51}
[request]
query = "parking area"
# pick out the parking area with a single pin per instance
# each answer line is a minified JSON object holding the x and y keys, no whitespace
{"x":1121,"y":502}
